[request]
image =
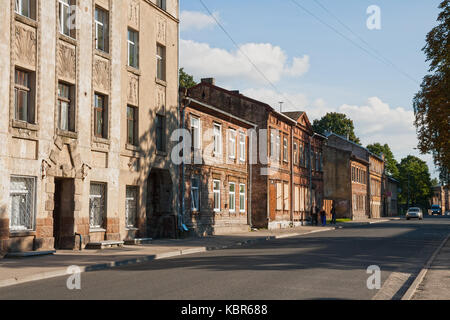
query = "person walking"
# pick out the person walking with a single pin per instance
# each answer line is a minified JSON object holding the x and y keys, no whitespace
{"x":333,"y":214}
{"x":323,"y":217}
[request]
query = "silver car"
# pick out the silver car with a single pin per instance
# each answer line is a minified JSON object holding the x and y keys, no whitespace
{"x":414,"y":212}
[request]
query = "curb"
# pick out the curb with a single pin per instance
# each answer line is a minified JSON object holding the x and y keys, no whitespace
{"x":143,"y":259}
{"x":413,"y":288}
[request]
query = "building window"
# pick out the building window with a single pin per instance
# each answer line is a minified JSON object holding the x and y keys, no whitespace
{"x":279,"y":196}
{"x":101,"y":119}
{"x":278,"y":148}
{"x":217,"y":139}
{"x":195,"y":131}
{"x":26,"y":8}
{"x":132,"y":125}
{"x":242,"y":147}
{"x":242,"y":198}
{"x":302,"y":155}
{"x":160,"y":133}
{"x":216,"y":191}
{"x":133,"y":48}
{"x":131,"y":206}
{"x":97,"y":205}
{"x":161,"y":62}
{"x":23,"y":199}
{"x":101,"y":30}
{"x":285,"y":150}
{"x":272,"y":144}
{"x":232,"y":143}
{"x":232,"y":197}
{"x":295,"y":153}
{"x":67,"y":12}
{"x":66,"y":107}
{"x":23,"y":95}
{"x":286,"y":196}
{"x":195,"y":194}
{"x":161,"y":4}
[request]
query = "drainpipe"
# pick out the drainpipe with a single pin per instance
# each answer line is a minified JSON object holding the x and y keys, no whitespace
{"x":81,"y":240}
{"x":250,"y":183}
{"x":310,"y":173}
{"x":183,"y":105}
{"x":292,"y":175}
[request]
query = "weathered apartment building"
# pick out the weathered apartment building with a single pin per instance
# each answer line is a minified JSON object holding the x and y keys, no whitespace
{"x":353,"y":179}
{"x":89,"y":91}
{"x":286,"y":157}
{"x":217,"y":176}
{"x":441,"y":196}
{"x":391,"y":199}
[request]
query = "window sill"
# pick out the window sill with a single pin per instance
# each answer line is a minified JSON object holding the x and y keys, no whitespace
{"x":131,"y":229}
{"x":95,"y":230}
{"x":67,"y":134}
{"x":67,"y":39}
{"x":132,"y":147}
{"x":161,"y":82}
{"x":103,"y":54}
{"x":24,"y":125}
{"x":27,"y":20}
{"x":161,"y":153}
{"x":22,"y":233}
{"x":134,"y":70}
{"x":101,"y":140}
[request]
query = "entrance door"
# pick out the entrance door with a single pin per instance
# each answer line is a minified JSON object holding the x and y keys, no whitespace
{"x":272,"y":200}
{"x":63,"y":214}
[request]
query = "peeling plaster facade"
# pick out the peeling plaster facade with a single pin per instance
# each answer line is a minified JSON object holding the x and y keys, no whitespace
{"x":54,"y":158}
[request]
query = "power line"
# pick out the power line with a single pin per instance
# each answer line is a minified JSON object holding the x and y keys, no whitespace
{"x":363,"y":41}
{"x":350,"y":40}
{"x":243,"y":53}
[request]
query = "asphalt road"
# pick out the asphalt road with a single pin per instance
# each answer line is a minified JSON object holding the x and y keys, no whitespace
{"x":326,"y":265}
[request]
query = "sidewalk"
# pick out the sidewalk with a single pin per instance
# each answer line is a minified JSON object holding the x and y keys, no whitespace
{"x":20,"y":270}
{"x":436,"y":284}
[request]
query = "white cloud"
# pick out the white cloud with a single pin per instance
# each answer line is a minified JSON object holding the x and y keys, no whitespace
{"x":194,"y":20}
{"x":201,"y":60}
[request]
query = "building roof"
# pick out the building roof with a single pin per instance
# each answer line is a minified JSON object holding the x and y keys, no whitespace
{"x":295,"y":115}
{"x":328,"y":134}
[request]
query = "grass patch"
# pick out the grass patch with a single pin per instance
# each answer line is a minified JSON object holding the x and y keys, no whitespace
{"x":340,"y":220}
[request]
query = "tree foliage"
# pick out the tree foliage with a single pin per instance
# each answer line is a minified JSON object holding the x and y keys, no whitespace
{"x":432,"y":102}
{"x":337,"y":123}
{"x":186,"y":80}
{"x":415,"y":181}
{"x":391,"y":163}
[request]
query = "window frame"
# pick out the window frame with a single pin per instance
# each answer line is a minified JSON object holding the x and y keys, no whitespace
{"x":285,"y":149}
{"x":24,"y":88}
{"x":195,"y":207}
{"x":242,"y":145}
{"x":196,"y":132}
{"x":217,"y":135}
{"x":230,"y":195}
{"x":160,"y":133}
{"x":127,"y":201}
{"x":217,"y":206}
{"x":232,"y":135}
{"x":104,"y":112}
{"x":135,"y":123}
{"x":103,"y":205}
{"x":160,"y":62}
{"x":71,"y":31}
{"x":69,"y":100}
{"x":242,"y":198}
{"x":161,"y":4}
{"x":31,"y":196}
{"x":135,"y":44}
{"x":104,"y":23}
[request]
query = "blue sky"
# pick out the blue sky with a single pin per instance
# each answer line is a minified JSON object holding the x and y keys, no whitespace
{"x":312,"y":67}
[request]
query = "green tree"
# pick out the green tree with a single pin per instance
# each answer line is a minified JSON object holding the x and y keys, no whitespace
{"x":337,"y":123}
{"x":415,"y":182}
{"x":186,"y":80}
{"x":434,"y":182}
{"x":391,"y":163}
{"x":432,"y":102}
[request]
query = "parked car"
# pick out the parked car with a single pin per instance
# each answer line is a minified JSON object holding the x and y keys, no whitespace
{"x":414,"y":212}
{"x":436,"y":209}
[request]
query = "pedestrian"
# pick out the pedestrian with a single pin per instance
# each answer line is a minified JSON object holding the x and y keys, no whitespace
{"x":323,"y":218}
{"x":333,"y":214}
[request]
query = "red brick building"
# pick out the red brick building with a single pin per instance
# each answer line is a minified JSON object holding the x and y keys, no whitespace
{"x":286,"y":157}
{"x":216,"y":182}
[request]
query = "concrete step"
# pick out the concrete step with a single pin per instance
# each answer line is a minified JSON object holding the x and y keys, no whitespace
{"x":104,"y":244}
{"x":27,"y":254}
{"x":132,"y":242}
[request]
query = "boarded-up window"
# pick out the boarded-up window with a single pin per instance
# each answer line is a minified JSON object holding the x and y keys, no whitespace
{"x":279,"y":196}
{"x":297,"y":199}
{"x":286,"y":196}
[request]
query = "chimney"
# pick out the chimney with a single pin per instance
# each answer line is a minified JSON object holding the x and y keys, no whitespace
{"x":209,"y":81}
{"x":235,"y":91}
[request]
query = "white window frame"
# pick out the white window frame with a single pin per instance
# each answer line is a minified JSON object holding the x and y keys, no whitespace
{"x":133,"y":43}
{"x":285,"y":149}
{"x":195,"y":207}
{"x":242,"y":154}
{"x":217,"y":132}
{"x":129,"y":200}
{"x":216,"y":192}
{"x":105,"y":28}
{"x":232,"y":194}
{"x":65,"y":4}
{"x":31,"y":196}
{"x":278,"y":143}
{"x":232,"y":143}
{"x":272,"y":144}
{"x":19,"y":8}
{"x":242,"y":198}
{"x":197,"y":126}
{"x":161,"y":62}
